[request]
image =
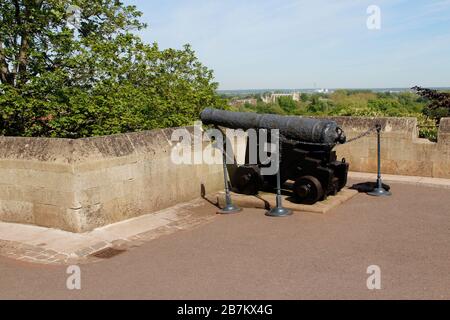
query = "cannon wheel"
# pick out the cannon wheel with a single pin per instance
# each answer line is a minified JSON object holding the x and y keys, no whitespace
{"x":247,"y":180}
{"x":308,"y":189}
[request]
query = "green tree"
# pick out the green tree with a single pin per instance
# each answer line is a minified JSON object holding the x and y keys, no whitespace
{"x":287,"y":104}
{"x":80,"y":70}
{"x":272,"y":108}
{"x":438,"y":103}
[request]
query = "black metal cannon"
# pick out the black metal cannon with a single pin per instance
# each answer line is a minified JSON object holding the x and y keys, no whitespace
{"x":307,"y":158}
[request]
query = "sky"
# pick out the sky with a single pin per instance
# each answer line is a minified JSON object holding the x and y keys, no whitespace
{"x":261,"y":44}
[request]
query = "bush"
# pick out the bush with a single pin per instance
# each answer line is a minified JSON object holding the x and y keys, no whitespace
{"x":288,"y":105}
{"x":427,"y":127}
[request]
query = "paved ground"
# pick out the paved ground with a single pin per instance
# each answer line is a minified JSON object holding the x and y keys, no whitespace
{"x":250,"y":256}
{"x":35,"y":244}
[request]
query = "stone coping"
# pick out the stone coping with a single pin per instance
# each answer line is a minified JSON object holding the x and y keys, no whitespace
{"x":73,"y":151}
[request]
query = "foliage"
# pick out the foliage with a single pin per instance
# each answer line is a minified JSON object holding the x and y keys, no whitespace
{"x":427,"y":127}
{"x":94,"y":78}
{"x":438,"y":103}
{"x":287,"y":104}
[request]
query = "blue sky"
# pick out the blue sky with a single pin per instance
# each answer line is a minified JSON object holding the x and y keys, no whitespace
{"x":257,"y":44}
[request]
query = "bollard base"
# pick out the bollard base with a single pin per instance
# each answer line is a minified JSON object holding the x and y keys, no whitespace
{"x":228,"y":209}
{"x":279,"y":212}
{"x":379,"y":192}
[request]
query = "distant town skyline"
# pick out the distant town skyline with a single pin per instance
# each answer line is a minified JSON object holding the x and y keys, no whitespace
{"x":308,"y":44}
{"x":307,"y":90}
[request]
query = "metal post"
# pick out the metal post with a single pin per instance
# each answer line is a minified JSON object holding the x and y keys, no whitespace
{"x":379,"y":190}
{"x":278,"y":210}
{"x":229,"y":206}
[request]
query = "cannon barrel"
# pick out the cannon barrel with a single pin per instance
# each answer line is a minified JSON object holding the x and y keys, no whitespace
{"x":292,"y":127}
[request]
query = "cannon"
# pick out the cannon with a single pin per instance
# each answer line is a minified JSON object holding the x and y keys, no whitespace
{"x":308,"y":164}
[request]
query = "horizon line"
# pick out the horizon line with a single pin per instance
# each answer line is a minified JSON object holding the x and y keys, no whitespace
{"x":329,"y":88}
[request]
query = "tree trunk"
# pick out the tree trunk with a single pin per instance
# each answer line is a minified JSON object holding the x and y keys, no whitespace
{"x":22,"y":57}
{"x":4,"y":71}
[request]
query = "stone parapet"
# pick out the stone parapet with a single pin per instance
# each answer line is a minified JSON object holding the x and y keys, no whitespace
{"x":78,"y":185}
{"x":402,"y":152}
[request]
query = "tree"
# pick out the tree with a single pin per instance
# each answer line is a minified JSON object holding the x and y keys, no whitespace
{"x":80,"y":70}
{"x":304,"y":97}
{"x":272,"y":108}
{"x":287,"y":104}
{"x":438,"y":103}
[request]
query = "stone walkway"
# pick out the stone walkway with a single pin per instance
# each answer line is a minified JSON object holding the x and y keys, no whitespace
{"x":50,"y":246}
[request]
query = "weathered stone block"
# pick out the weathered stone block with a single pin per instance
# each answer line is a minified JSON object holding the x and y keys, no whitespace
{"x":49,"y":216}
{"x":16,"y":211}
{"x":441,"y":169}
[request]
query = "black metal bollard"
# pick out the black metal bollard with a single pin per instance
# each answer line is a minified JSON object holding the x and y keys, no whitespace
{"x":278,"y":210}
{"x":379,"y":190}
{"x":229,"y":206}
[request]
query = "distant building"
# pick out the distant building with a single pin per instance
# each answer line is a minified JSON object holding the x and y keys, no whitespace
{"x":274,"y":96}
{"x":241,"y":102}
{"x":322,"y":91}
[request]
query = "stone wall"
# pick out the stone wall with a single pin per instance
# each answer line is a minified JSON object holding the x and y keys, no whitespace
{"x":78,"y":185}
{"x":402,"y":152}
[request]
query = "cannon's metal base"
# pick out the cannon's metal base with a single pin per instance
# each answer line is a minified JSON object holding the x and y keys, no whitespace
{"x":379,"y":192}
{"x":279,"y":212}
{"x":228,"y":209}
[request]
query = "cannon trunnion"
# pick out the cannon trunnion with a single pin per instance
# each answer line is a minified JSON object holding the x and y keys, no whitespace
{"x":308,"y":165}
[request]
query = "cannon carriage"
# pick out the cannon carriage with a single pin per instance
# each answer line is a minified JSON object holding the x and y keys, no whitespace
{"x":308,"y":164}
